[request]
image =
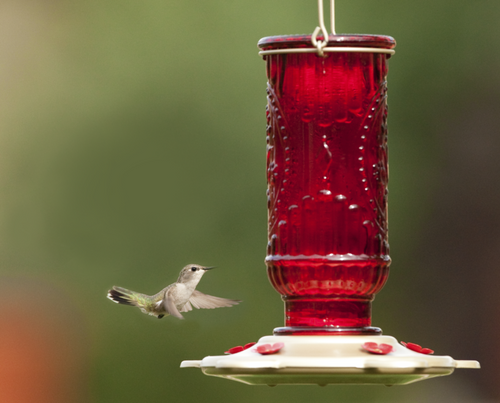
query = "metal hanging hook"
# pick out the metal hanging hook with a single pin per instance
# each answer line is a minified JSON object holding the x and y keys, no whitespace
{"x":332,"y":16}
{"x":320,"y":45}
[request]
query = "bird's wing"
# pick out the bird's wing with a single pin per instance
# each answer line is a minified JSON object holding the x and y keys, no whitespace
{"x":187,"y":307}
{"x":204,"y":301}
{"x":169,"y":305}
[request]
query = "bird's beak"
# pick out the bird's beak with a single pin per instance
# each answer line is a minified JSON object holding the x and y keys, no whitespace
{"x":209,"y":268}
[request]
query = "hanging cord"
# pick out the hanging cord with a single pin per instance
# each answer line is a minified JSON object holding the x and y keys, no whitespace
{"x":320,"y":45}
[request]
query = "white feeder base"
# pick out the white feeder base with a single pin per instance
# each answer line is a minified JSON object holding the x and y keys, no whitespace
{"x":323,"y":360}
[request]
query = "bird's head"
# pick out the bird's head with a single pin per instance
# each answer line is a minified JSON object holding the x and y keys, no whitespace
{"x":192,"y":273}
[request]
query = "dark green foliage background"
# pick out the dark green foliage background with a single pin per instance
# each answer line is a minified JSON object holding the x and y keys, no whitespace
{"x":132,"y":142}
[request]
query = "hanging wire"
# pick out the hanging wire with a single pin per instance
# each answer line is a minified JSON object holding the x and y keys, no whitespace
{"x":320,"y":45}
{"x":332,"y":16}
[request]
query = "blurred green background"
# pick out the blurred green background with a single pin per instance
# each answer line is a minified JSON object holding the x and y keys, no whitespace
{"x":132,"y":142}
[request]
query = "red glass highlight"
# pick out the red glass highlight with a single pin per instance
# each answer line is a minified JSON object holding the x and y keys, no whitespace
{"x":327,"y":172}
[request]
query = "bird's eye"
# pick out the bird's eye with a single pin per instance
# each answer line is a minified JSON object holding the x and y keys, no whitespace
{"x":193,"y":268}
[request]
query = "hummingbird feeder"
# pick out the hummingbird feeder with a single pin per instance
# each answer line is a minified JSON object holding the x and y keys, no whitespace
{"x":328,"y":251}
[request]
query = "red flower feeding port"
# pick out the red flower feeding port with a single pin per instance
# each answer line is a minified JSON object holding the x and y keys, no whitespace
{"x":328,"y":251}
{"x":375,"y":348}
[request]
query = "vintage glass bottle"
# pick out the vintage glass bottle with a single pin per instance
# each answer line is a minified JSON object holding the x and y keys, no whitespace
{"x":327,"y":173}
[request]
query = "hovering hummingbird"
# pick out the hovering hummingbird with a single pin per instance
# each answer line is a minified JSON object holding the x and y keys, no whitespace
{"x":178,"y":297}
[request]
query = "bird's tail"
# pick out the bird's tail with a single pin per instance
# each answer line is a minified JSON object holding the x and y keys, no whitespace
{"x":123,"y":296}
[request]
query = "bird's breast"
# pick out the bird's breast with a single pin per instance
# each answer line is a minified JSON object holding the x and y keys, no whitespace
{"x":182,"y":294}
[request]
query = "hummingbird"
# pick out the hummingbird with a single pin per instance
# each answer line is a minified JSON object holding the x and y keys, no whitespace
{"x":175,"y":298}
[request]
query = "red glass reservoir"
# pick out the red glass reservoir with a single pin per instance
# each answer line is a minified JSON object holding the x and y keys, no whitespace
{"x":327,"y":171}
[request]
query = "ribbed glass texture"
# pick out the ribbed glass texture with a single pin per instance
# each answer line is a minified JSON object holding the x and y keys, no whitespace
{"x":327,"y":172}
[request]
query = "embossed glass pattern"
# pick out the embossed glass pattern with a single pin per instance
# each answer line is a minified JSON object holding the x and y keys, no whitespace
{"x":327,"y":172}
